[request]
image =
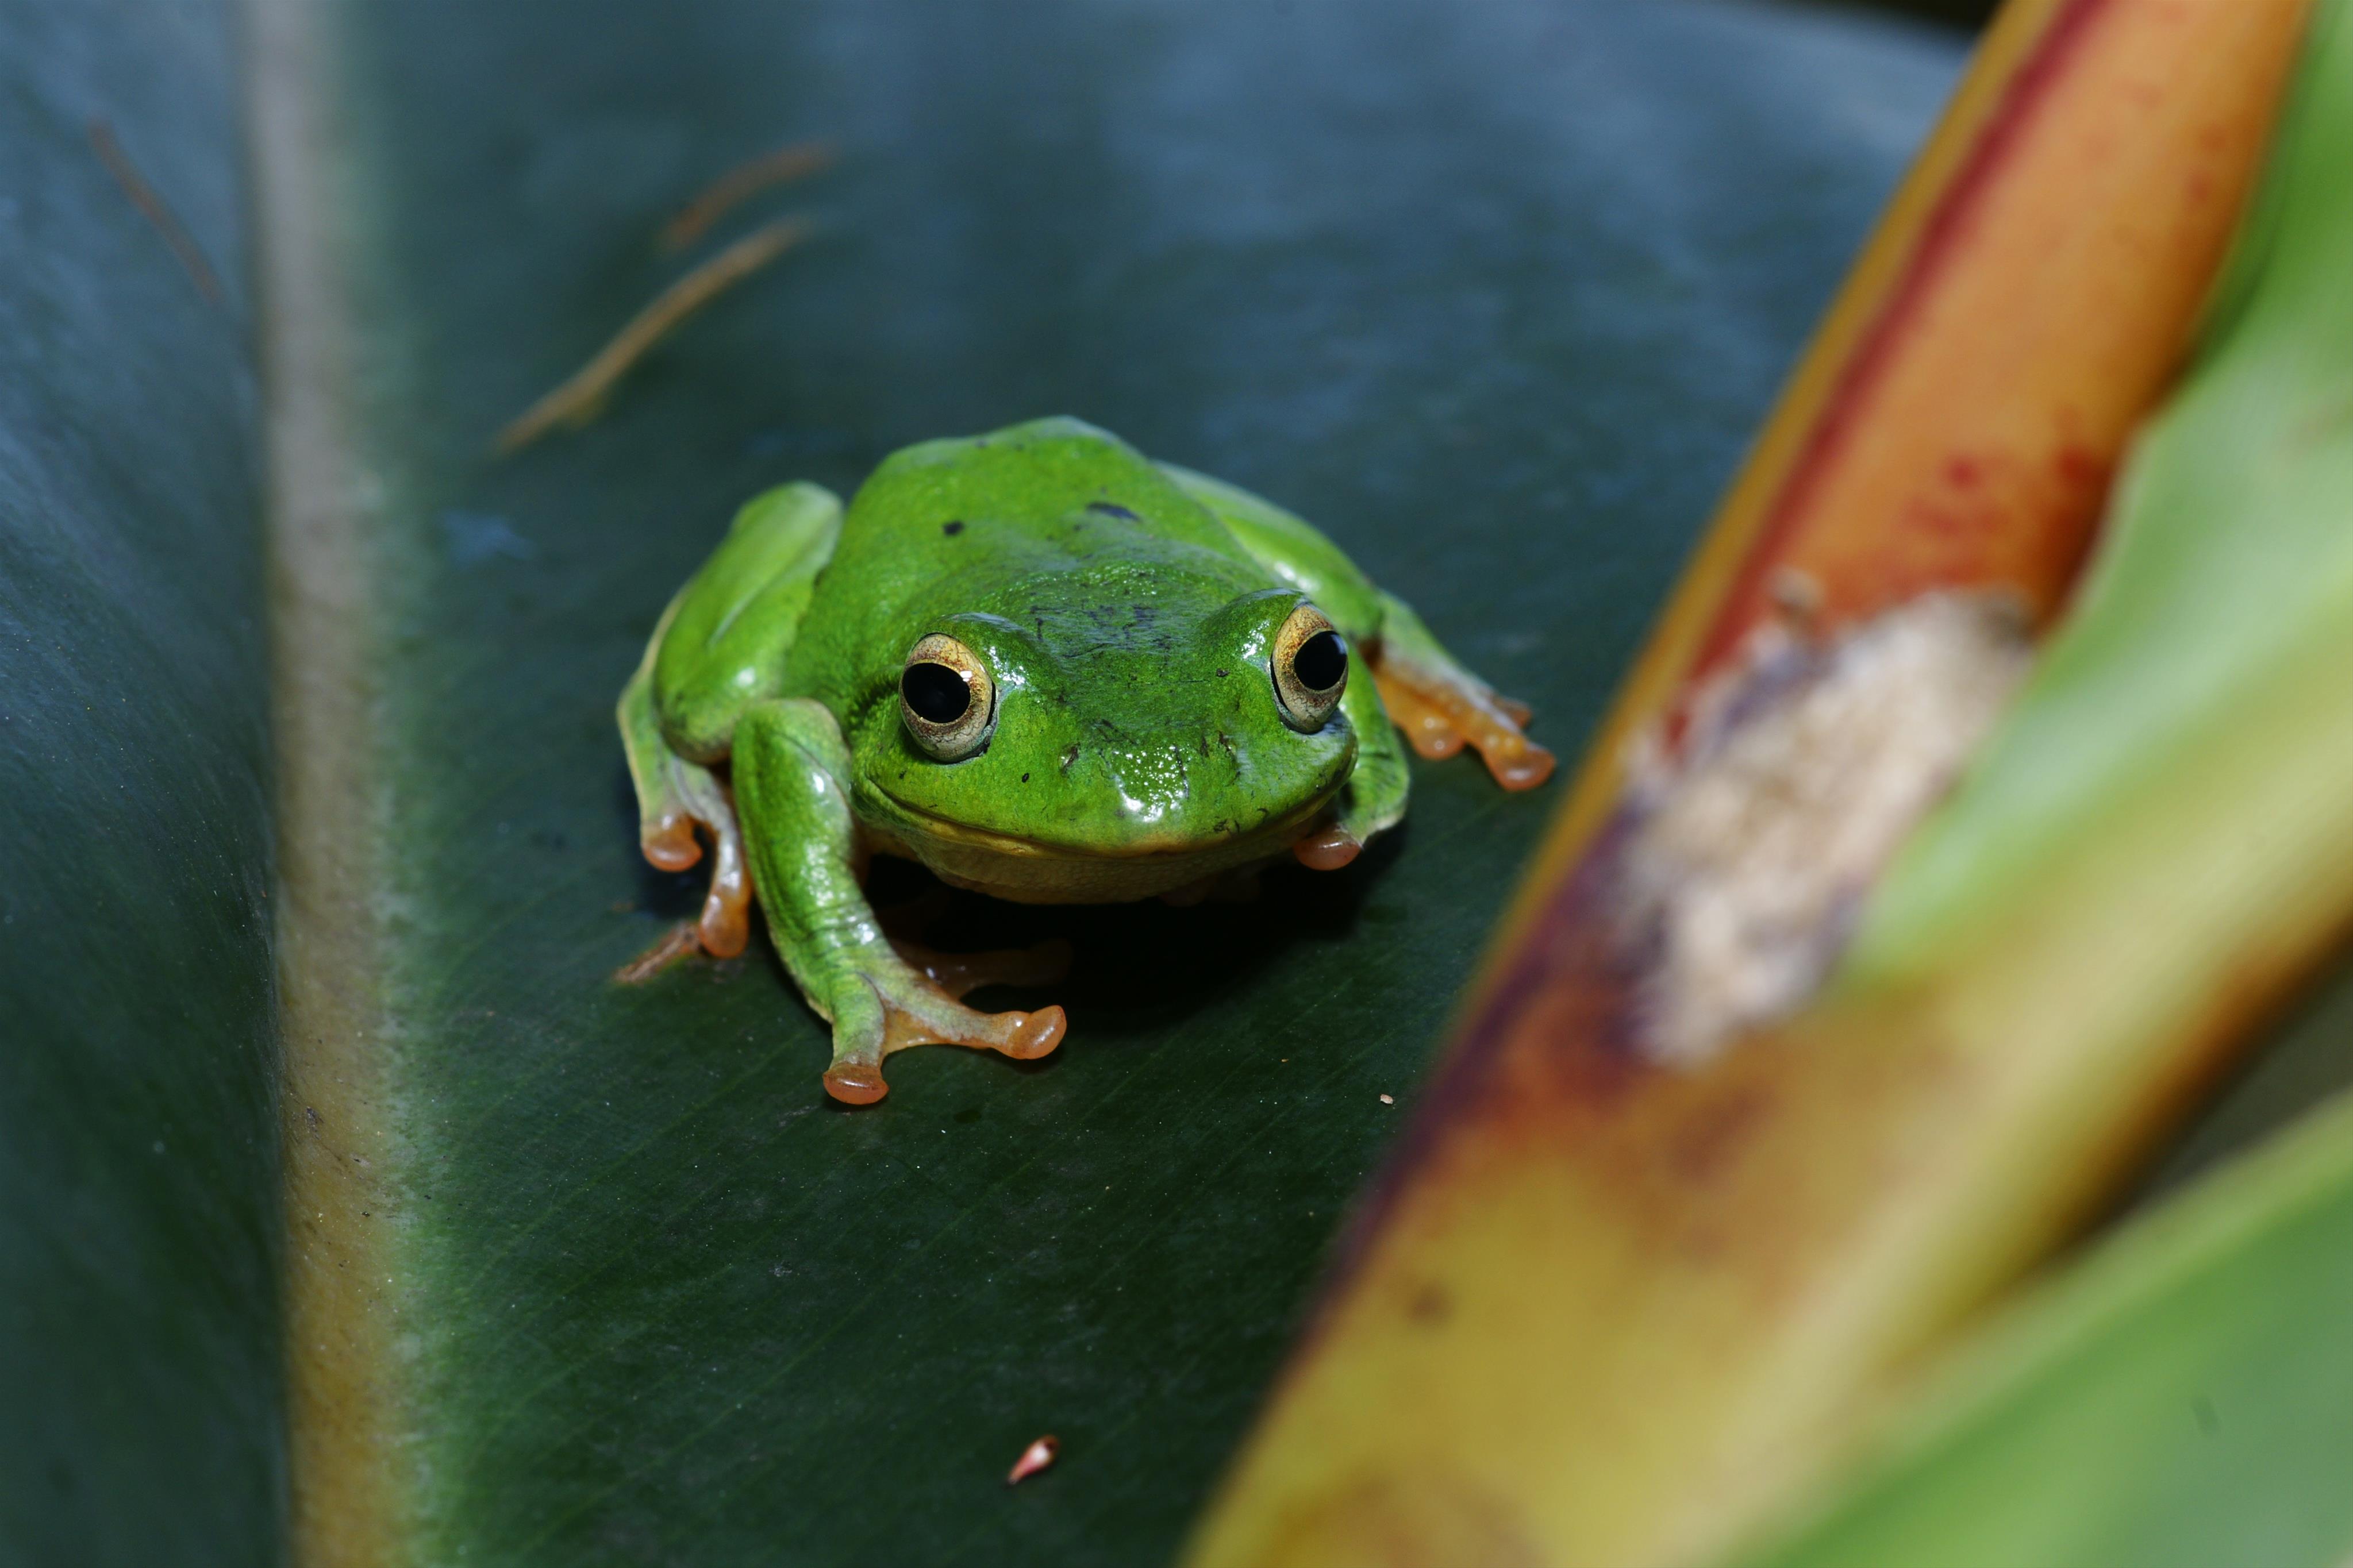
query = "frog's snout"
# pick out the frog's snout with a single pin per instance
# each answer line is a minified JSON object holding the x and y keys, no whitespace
{"x":1212,"y":783}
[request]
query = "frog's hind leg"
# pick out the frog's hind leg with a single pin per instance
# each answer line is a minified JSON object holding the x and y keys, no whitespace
{"x":674,"y":797}
{"x":1439,"y":705}
{"x":792,"y":771}
{"x":1442,"y":707}
{"x":719,"y":648}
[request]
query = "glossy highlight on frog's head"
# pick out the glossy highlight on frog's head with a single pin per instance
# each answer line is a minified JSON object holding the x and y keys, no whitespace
{"x":1134,"y":727}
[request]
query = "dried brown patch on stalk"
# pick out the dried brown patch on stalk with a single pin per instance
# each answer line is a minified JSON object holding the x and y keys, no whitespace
{"x":1804,"y":768}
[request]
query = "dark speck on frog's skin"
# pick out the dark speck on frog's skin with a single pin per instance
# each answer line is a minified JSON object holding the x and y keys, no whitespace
{"x":1025,"y":778}
{"x":952,"y":529}
{"x":1070,"y":756}
{"x":1111,"y":509}
{"x":1222,"y":675}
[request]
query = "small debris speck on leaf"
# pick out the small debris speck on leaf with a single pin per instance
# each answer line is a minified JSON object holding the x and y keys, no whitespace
{"x":1034,"y":1458}
{"x":1388,"y":1099}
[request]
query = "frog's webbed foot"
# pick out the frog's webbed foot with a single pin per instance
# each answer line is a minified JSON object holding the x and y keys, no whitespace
{"x":1442,"y":708}
{"x":691,"y":797}
{"x":905,"y":995}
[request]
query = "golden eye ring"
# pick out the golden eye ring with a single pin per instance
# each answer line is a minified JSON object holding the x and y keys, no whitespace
{"x":1310,"y":669}
{"x":946,"y":700}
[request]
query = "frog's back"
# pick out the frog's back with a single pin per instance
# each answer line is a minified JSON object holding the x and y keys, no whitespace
{"x":979,"y":524}
{"x":1054,"y":487}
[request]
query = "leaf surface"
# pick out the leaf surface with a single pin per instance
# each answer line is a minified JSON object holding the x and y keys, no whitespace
{"x":139,"y":1417}
{"x":1490,"y":293}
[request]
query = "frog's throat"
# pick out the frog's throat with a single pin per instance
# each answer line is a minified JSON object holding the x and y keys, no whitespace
{"x":1027,"y":870}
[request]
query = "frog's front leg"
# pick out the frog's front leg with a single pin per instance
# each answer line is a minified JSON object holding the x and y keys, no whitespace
{"x":792,"y":777}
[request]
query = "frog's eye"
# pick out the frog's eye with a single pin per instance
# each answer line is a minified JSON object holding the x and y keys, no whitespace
{"x":946,"y":699}
{"x":1310,"y":669}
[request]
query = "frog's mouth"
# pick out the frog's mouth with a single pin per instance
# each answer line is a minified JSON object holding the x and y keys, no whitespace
{"x":1269,"y":834}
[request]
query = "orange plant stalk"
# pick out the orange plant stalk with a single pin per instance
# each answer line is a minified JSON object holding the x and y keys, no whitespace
{"x":1658,"y":1226}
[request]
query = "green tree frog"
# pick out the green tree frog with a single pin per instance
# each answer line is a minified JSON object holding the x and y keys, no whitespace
{"x":1051,"y":670}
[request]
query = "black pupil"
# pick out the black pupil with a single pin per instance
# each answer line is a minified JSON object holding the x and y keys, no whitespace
{"x":936,"y":692}
{"x":1321,"y":661}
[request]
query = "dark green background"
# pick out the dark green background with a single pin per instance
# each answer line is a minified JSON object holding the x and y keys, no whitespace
{"x":138,"y":1387}
{"x":1495,"y":292}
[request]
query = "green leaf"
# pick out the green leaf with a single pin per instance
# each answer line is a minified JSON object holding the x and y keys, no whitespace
{"x":1493,"y":298}
{"x":598,"y":1273}
{"x":140,"y":1394}
{"x":1494,"y":295}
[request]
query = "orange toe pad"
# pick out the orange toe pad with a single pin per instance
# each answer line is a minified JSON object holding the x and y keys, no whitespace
{"x":1440,"y":716}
